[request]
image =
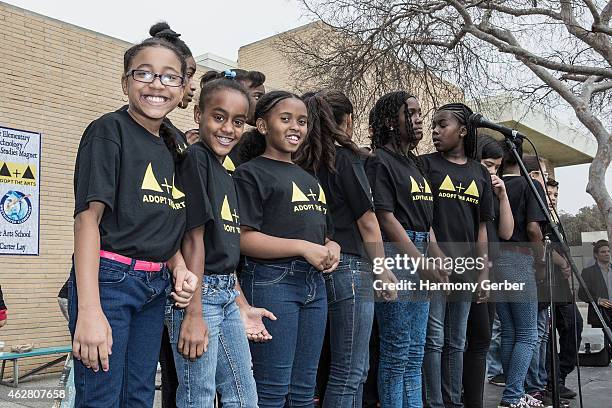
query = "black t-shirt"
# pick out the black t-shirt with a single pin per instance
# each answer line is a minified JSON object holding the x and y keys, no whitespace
{"x":399,"y":187}
{"x":211,"y":202}
{"x":463,"y":197}
{"x":282,"y":200}
{"x":181,"y":140}
{"x":348,"y":197}
{"x":131,"y":171}
{"x":524,"y":206}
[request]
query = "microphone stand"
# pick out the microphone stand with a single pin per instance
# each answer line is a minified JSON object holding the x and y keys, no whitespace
{"x":511,"y":136}
{"x":551,"y":279}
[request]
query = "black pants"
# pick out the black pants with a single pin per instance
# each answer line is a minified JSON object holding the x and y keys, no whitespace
{"x":478,"y":339}
{"x":569,"y":326}
{"x":370,"y":388}
{"x":168,"y":372}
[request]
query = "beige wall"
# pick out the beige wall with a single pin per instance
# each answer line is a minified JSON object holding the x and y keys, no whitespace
{"x":56,"y":79}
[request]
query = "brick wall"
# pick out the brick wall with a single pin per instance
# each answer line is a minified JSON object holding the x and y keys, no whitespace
{"x":56,"y":79}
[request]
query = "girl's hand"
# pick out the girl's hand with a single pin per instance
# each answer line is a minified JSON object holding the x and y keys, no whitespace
{"x":185,"y":284}
{"x":334,"y":259}
{"x":93,"y":339}
{"x":387,"y":277}
{"x":252,"y":318}
{"x":317,"y":255}
{"x":499,"y":187}
{"x":482,"y":294}
{"x":193,"y":339}
{"x":192,"y":136}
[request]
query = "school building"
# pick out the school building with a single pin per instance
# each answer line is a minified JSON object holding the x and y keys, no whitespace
{"x":56,"y":79}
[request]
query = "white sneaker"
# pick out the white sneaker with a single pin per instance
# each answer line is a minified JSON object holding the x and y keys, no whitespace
{"x":532,"y":402}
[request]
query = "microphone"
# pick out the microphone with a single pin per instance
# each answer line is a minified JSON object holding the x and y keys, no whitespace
{"x":479,"y":121}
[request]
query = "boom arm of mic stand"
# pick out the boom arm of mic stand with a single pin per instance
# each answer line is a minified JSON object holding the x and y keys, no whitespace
{"x":555,"y":231}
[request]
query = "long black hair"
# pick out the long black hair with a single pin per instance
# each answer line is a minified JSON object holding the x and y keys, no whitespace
{"x":489,"y":148}
{"x":253,"y":143}
{"x":385,"y":120}
{"x":340,"y":103}
{"x":319,"y":149}
{"x":384,"y":123}
{"x":462,"y":113}
{"x":165,"y":131}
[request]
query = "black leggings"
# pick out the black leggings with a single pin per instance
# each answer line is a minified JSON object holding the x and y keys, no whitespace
{"x":478,"y":339}
{"x":169,"y":380}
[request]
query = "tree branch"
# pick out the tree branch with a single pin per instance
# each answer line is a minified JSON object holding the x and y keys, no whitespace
{"x":600,"y":44}
{"x":535,"y":11}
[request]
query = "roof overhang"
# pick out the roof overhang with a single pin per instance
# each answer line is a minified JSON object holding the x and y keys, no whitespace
{"x":559,"y":143}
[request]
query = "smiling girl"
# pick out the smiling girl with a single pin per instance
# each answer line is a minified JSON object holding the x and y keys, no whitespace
{"x":129,"y":221}
{"x":285,"y":226}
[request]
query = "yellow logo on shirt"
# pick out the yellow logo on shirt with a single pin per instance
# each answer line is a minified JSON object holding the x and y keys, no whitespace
{"x":229,"y":164}
{"x":228,"y":215}
{"x":458,"y":192}
{"x":313,"y":203}
{"x":164,"y":190}
{"x":420,"y":191}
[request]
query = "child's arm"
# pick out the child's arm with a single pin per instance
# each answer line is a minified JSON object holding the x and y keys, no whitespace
{"x":252,"y":318}
{"x":534,"y":233}
{"x":185,"y":282}
{"x":369,"y":229}
{"x":482,"y":245}
{"x":193,"y":338}
{"x":395,"y":232}
{"x":506,"y":220}
{"x":93,"y":340}
{"x":256,"y":244}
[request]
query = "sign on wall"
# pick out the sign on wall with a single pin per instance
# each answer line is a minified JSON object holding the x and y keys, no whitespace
{"x":19,"y":192}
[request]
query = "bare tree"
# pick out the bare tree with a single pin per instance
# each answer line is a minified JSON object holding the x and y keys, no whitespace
{"x":548,"y":53}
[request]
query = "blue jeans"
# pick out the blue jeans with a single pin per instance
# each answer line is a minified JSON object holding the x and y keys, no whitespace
{"x":537,"y":377}
{"x":518,"y":318}
{"x":443,"y":363}
{"x":350,"y":305}
{"x":226,"y":365}
{"x":402,"y":326}
{"x":133,"y":303}
{"x":285,"y":368}
{"x":494,"y":365}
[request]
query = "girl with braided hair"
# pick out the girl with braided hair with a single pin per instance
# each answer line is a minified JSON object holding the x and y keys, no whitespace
{"x":463,"y":204}
{"x":331,"y":155}
{"x":404,"y":208}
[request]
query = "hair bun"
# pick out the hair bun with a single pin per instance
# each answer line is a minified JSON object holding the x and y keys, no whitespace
{"x":163,"y":30}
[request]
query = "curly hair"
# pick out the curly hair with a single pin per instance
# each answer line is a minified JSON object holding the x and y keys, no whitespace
{"x":319,"y":149}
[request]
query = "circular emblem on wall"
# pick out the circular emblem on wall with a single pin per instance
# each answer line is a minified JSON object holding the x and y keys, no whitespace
{"x":15,"y":207}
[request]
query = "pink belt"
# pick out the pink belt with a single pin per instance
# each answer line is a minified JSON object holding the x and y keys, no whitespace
{"x":145,"y":266}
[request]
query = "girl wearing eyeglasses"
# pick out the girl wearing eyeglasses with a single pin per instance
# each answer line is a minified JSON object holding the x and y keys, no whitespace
{"x":129,"y":221}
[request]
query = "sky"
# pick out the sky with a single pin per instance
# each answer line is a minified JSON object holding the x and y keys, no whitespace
{"x":222,"y":27}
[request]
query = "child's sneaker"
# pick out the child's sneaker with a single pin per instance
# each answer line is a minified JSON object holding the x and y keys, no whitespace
{"x":532,"y":402}
{"x":520,"y":404}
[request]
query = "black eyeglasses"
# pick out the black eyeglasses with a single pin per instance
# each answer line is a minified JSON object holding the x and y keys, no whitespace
{"x":148,"y":77}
